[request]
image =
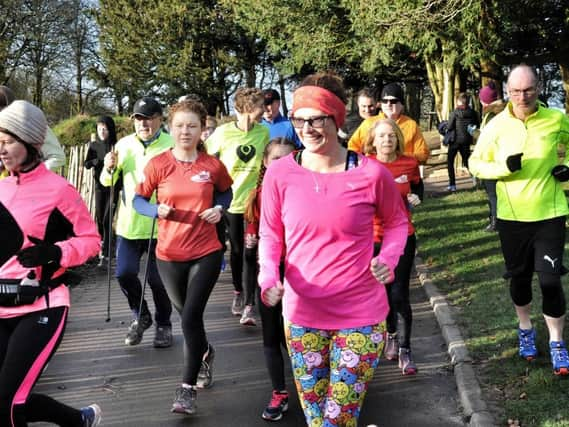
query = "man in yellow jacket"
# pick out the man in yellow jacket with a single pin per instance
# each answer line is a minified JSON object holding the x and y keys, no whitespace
{"x":392,"y":97}
{"x":519,"y":149}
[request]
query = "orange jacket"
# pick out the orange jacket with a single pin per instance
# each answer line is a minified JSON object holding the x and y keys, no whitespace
{"x":415,"y":144}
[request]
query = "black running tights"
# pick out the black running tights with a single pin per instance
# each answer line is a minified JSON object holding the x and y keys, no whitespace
{"x":22,"y":361}
{"x":189,"y":285}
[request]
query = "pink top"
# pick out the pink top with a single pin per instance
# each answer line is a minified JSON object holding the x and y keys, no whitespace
{"x":45,"y":205}
{"x":325,"y":222}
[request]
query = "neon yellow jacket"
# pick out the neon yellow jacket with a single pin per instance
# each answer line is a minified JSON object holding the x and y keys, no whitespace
{"x":530,"y":194}
{"x":132,"y":158}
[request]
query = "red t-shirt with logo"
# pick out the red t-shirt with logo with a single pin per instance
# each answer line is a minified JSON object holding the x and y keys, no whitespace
{"x":405,"y":170}
{"x":188,"y":187}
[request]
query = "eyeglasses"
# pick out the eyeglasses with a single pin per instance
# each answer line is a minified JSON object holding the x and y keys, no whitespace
{"x":530,"y":91}
{"x":390,"y":101}
{"x":313,"y":122}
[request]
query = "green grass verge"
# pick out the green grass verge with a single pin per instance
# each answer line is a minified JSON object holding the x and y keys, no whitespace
{"x":467,"y":265}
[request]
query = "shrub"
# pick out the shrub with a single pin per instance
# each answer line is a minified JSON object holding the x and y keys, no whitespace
{"x":77,"y":130}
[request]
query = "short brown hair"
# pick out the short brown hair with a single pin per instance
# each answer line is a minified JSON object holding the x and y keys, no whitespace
{"x":190,"y":106}
{"x":248,"y":98}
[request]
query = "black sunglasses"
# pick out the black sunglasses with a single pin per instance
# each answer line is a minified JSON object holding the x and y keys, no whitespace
{"x":390,"y":101}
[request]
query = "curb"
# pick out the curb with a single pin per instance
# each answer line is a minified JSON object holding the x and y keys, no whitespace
{"x":475,"y":410}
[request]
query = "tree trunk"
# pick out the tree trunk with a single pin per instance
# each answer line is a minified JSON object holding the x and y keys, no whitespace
{"x":442,"y":81}
{"x":79,"y":85}
{"x":283,"y":97}
{"x":37,"y":98}
{"x":564,"y":68}
{"x":412,"y":101}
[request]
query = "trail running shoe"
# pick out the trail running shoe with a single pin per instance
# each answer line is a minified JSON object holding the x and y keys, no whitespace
{"x":391,"y":349}
{"x":559,"y":357}
{"x":163,"y":337}
{"x":406,"y":363}
{"x":91,"y":415}
{"x":237,"y":304}
{"x":136,"y":329}
{"x":248,"y":316}
{"x":277,"y":406}
{"x":526,"y":339}
{"x":185,"y":401}
{"x":205,"y":376}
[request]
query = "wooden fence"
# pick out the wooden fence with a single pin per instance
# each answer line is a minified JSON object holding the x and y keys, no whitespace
{"x":81,"y":178}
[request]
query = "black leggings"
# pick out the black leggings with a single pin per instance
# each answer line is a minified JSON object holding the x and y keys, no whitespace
{"x":250,"y":270}
{"x":236,"y":227}
{"x":400,"y":317}
{"x":189,"y":285}
{"x":453,"y":149}
{"x":22,"y":361}
{"x":102,"y":197}
{"x":273,"y":340}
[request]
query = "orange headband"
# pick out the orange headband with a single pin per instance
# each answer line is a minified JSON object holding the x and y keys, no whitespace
{"x":321,"y":99}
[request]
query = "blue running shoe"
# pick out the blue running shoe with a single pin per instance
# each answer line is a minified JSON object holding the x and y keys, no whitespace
{"x":91,"y":415}
{"x":528,"y":349}
{"x":559,"y":357}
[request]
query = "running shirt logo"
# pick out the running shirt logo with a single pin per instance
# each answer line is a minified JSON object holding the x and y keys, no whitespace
{"x":401,"y":179}
{"x":203,"y":176}
{"x":551,"y":261}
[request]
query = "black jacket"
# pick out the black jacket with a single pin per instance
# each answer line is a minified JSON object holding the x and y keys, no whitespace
{"x":459,"y":120}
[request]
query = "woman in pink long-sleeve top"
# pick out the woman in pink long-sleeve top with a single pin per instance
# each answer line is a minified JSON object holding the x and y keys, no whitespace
{"x":46,"y":228}
{"x":319,"y":204}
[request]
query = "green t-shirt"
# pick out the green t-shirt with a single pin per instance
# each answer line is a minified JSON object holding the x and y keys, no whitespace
{"x":242,"y":154}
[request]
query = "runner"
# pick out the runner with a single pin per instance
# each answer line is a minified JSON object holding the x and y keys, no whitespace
{"x":271,"y":317}
{"x":240,"y":145}
{"x":105,"y":140}
{"x":188,"y":252}
{"x":46,"y":228}
{"x":325,"y":197}
{"x":387,"y":144}
{"x":134,"y":231}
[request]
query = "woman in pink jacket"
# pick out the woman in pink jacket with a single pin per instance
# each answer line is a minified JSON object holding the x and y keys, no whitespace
{"x":319,"y":204}
{"x":46,"y":228}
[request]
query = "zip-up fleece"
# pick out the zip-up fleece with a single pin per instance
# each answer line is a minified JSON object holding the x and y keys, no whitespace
{"x":45,"y":205}
{"x":530,"y":194}
{"x":132,"y":158}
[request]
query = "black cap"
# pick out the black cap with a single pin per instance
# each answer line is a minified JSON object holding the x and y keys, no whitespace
{"x":271,"y":95}
{"x":147,"y":107}
{"x":394,"y":90}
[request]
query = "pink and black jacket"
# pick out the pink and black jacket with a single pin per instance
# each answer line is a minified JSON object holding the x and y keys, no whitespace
{"x":42,"y":204}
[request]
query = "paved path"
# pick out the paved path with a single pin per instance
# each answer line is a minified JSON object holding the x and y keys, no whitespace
{"x":135,"y":385}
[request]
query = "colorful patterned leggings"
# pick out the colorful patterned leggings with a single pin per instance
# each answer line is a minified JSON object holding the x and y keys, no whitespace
{"x":332,"y":369}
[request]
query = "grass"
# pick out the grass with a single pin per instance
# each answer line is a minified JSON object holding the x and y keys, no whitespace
{"x":467,"y":265}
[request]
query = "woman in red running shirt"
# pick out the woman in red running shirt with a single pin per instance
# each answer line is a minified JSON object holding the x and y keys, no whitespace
{"x":385,"y":142}
{"x":192,"y":188}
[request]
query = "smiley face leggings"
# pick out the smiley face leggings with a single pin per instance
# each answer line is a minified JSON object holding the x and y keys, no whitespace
{"x":22,"y":361}
{"x":332,"y":369}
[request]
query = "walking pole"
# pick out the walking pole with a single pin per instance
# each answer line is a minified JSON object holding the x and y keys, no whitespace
{"x":109,"y":248}
{"x":146,"y":268}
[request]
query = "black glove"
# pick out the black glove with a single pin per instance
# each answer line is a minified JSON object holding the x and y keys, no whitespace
{"x":40,"y":254}
{"x":514,"y":162}
{"x":560,"y":173}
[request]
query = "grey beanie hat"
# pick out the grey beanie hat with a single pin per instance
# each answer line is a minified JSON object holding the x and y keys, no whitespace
{"x":24,"y":120}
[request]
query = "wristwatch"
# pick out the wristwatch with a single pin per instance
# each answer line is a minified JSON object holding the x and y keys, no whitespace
{"x":219,"y":207}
